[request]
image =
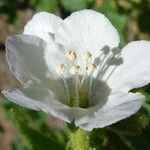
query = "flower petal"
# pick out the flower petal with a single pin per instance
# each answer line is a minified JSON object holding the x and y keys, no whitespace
{"x":119,"y":106}
{"x":25,"y":56}
{"x":42,"y":24}
{"x":87,"y":30}
{"x":134,"y":71}
{"x":38,"y":99}
{"x":54,"y":55}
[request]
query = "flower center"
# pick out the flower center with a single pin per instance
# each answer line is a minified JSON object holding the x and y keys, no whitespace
{"x":82,"y":83}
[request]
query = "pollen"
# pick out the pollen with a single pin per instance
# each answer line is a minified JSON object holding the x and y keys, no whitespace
{"x":60,"y":69}
{"x":91,"y":68}
{"x":75,"y":70}
{"x":71,"y":55}
{"x":86,"y":56}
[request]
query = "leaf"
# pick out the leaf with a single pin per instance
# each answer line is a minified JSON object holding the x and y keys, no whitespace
{"x":98,"y":139}
{"x":103,"y":139}
{"x":74,"y":5}
{"x":116,"y":142}
{"x":39,"y":141}
{"x":132,"y":125}
{"x":141,"y":142}
{"x":36,"y":139}
{"x":46,"y":5}
{"x":146,"y":92}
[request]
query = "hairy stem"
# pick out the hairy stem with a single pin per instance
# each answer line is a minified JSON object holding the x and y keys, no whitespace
{"x":78,"y":139}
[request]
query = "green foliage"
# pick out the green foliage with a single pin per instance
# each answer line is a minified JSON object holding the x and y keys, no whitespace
{"x":36,"y":139}
{"x":141,"y":142}
{"x":118,"y":19}
{"x":8,"y":7}
{"x":132,"y":125}
{"x":46,"y":5}
{"x":117,"y":136}
{"x":33,"y":126}
{"x":74,"y":5}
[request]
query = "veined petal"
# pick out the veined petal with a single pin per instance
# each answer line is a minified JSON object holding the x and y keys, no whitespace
{"x":87,"y":30}
{"x":25,"y":56}
{"x":38,"y":99}
{"x":31,"y":60}
{"x":42,"y":24}
{"x":119,"y":106}
{"x":54,"y":55}
{"x":134,"y":71}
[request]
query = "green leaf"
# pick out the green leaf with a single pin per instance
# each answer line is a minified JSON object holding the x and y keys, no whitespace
{"x":146,"y":92}
{"x":36,"y":139}
{"x":46,"y":5}
{"x":141,"y":142}
{"x":98,"y":139}
{"x":74,"y":5}
{"x":116,"y":142}
{"x":104,"y":139}
{"x":132,"y":125}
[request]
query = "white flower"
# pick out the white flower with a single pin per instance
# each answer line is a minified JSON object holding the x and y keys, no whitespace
{"x":71,"y":70}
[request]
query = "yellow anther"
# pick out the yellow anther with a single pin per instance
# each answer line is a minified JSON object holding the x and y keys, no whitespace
{"x":86,"y":56}
{"x":71,"y":55}
{"x":75,"y":70}
{"x":60,"y":69}
{"x":91,"y":68}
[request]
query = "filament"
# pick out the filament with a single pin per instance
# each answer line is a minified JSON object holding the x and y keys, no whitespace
{"x":76,"y":91}
{"x":90,"y":89}
{"x":67,"y":89}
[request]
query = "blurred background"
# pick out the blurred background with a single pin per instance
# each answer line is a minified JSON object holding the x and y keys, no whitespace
{"x":132,"y":20}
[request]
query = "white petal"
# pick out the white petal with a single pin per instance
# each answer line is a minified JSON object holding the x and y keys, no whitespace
{"x":87,"y":30}
{"x":119,"y":106}
{"x":55,"y":55}
{"x":25,"y":56}
{"x":42,"y":24}
{"x":134,"y":71}
{"x":39,"y":99}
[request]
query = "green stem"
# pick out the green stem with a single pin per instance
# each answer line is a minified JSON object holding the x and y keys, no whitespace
{"x":78,"y":139}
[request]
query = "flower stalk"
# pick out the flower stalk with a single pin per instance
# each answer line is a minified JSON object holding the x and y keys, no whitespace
{"x":78,"y":139}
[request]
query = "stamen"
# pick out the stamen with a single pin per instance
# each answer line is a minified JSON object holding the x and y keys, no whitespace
{"x":90,"y":90}
{"x":103,"y":61}
{"x":75,"y":70}
{"x":82,"y":81}
{"x":86,"y":56}
{"x":71,"y":55}
{"x":60,"y":69}
{"x":67,"y":90}
{"x":76,"y":91}
{"x":91,"y":68}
